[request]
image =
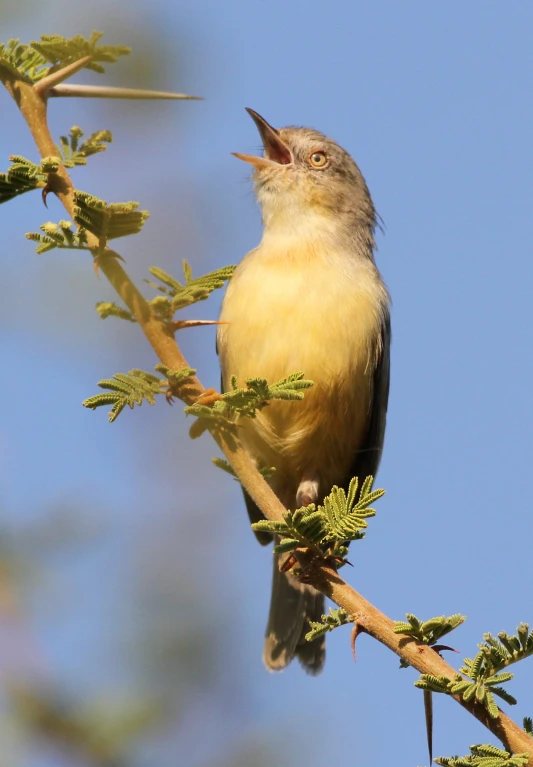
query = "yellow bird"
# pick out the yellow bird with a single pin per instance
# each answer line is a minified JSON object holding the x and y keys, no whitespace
{"x":308,"y":298}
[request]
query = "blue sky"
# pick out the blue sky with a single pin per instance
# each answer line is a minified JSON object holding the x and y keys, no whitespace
{"x":433,"y":101}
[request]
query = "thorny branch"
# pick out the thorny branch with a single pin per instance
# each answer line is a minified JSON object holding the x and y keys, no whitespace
{"x":32,"y":102}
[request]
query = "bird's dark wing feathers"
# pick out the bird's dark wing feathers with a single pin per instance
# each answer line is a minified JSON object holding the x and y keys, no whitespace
{"x":366,"y":462}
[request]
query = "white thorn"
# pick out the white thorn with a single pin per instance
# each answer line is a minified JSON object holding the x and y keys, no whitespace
{"x":109,"y":92}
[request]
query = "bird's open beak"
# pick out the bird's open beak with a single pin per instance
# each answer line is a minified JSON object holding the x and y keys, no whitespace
{"x":276,"y":150}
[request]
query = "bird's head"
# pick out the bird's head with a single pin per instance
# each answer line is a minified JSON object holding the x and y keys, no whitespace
{"x":304,"y":173}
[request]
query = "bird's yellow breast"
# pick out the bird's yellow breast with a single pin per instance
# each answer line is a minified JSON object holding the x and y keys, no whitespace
{"x":311,"y":309}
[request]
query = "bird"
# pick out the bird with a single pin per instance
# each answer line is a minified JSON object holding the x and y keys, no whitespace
{"x":308,"y":298}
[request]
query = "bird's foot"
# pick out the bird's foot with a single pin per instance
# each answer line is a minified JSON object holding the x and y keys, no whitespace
{"x":307,"y":492}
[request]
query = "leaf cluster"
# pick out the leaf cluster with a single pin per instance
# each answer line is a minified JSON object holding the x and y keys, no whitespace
{"x":177,"y":295}
{"x":130,"y":389}
{"x":245,"y":402}
{"x":75,"y":153}
{"x":331,"y":621}
{"x":60,"y":51}
{"x":485,"y":755}
{"x":24,"y":176}
{"x":498,"y":653}
{"x":482,"y":689}
{"x":59,"y":236}
{"x":340,"y":518}
{"x":108,"y":220}
{"x":485,"y":672}
{"x":36,"y":60}
{"x":430,"y":631}
{"x":109,"y":309}
{"x":175,"y":378}
{"x":486,"y":669}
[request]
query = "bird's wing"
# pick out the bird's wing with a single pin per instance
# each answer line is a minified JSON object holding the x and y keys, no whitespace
{"x":366,"y":462}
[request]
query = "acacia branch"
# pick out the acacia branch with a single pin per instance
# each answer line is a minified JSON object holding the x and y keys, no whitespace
{"x":421,"y":656}
{"x":368,"y":618}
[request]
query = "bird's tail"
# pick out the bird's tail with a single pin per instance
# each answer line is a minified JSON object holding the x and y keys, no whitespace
{"x":292,"y":606}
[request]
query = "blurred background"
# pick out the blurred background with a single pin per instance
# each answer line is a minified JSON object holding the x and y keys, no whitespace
{"x":122,"y":644}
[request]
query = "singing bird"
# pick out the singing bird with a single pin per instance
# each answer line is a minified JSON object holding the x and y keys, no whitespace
{"x":309,"y":298}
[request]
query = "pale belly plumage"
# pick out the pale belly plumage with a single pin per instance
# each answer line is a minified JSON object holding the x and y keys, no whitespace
{"x":317,"y":314}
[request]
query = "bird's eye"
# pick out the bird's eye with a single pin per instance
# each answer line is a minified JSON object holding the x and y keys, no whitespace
{"x":318,"y":159}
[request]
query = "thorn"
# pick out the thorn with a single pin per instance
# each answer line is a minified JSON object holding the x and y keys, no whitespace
{"x":289,"y":563}
{"x":55,"y":78}
{"x":208,"y":397}
{"x":428,"y":710}
{"x":44,"y":194}
{"x":180,"y":324}
{"x":109,"y":92}
{"x":341,"y":561}
{"x":357,"y":629}
{"x":440,"y":647}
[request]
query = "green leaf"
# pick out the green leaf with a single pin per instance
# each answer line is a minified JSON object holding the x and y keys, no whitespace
{"x":73,"y":153}
{"x":36,"y":60}
{"x":317,"y":528}
{"x":346,"y":519}
{"x":177,"y":295}
{"x":463,"y":687}
{"x":60,"y":236}
{"x":485,"y":670}
{"x":24,"y":176}
{"x":485,"y":755}
{"x":246,"y":401}
{"x":224,"y":466}
{"x":430,"y":631}
{"x":270,"y":526}
{"x":108,"y":220}
{"x":288,"y":544}
{"x":126,"y":389}
{"x":329,"y":622}
{"x":499,"y":678}
{"x":434,"y":683}
{"x":23,"y":60}
{"x":237,"y":402}
{"x":490,"y":705}
{"x":504,"y":695}
{"x":109,"y":309}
